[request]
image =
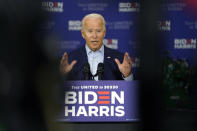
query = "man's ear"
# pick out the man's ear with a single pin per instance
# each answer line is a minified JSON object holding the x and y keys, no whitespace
{"x":82,"y":33}
{"x":104,"y":32}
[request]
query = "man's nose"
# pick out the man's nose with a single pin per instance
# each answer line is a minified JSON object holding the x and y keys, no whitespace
{"x":94,"y":35}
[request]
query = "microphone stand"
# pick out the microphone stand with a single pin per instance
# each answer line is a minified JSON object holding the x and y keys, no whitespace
{"x":100,"y":70}
{"x":86,"y":71}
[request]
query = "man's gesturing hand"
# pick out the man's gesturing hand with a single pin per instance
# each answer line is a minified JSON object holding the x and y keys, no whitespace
{"x":65,"y":67}
{"x":125,"y":67}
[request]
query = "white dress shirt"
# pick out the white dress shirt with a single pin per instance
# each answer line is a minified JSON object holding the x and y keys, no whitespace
{"x":94,"y":58}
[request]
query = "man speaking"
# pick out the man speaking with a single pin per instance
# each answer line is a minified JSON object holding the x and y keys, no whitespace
{"x":94,"y":61}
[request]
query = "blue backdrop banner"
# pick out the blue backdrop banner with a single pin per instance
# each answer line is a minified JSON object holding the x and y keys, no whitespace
{"x":177,"y":24}
{"x":121,"y":23}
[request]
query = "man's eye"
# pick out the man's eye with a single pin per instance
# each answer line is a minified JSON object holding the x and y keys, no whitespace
{"x":89,"y":31}
{"x":98,"y":30}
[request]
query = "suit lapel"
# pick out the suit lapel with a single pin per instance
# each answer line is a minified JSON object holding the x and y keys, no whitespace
{"x":83,"y":59}
{"x":108,"y":60}
{"x":83,"y":55}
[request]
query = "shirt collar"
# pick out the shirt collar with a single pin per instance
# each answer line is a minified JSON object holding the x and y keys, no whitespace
{"x":88,"y":50}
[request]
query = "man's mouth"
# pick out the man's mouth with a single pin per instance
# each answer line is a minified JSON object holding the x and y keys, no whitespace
{"x":94,"y":42}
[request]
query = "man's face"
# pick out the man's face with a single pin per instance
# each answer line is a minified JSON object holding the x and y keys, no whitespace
{"x":93,"y":33}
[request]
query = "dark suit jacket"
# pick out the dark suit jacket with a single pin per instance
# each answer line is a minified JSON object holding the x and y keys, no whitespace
{"x":111,"y":71}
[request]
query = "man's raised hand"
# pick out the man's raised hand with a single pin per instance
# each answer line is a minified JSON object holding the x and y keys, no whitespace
{"x":65,"y":67}
{"x":125,"y":67}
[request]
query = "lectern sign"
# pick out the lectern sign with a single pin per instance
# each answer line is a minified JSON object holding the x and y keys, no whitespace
{"x":99,"y":101}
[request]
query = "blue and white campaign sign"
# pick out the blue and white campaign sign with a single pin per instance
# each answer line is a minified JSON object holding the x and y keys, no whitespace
{"x":100,"y":101}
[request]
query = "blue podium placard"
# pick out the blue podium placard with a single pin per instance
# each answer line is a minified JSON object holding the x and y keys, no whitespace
{"x":100,"y":101}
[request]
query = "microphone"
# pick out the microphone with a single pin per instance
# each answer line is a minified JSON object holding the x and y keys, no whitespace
{"x":86,"y":70}
{"x":100,"y":70}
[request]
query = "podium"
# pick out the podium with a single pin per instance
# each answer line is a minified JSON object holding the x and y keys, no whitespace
{"x":100,"y":101}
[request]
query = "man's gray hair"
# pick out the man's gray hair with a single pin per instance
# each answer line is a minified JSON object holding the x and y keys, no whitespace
{"x":93,"y":15}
